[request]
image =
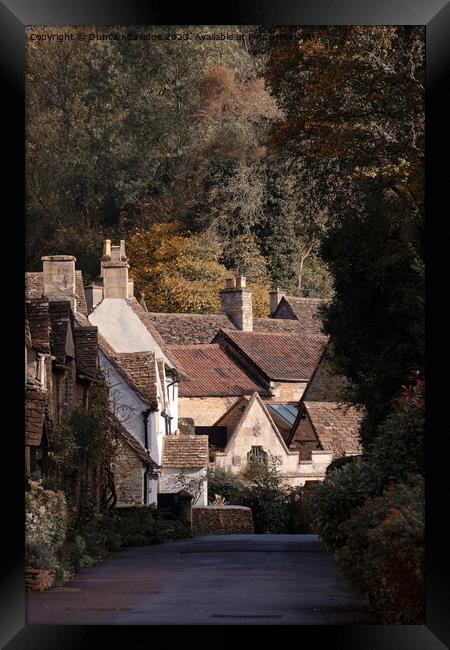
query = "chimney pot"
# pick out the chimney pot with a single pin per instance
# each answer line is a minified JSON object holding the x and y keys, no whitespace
{"x":114,"y":271}
{"x":230,"y":283}
{"x":240,"y":281}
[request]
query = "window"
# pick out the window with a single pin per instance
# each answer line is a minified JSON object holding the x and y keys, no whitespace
{"x":257,"y":454}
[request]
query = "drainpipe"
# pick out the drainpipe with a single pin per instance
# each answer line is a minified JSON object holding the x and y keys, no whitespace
{"x":146,"y":415}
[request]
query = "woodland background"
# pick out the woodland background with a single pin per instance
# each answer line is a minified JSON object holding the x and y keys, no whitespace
{"x":297,"y":162}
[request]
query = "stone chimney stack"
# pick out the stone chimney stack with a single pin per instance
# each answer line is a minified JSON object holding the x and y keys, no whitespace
{"x":59,"y":278}
{"x":114,"y":271}
{"x":236,"y":302}
{"x":274,"y":299}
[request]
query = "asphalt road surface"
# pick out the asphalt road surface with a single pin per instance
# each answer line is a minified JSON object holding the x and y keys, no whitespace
{"x":217,"y":580}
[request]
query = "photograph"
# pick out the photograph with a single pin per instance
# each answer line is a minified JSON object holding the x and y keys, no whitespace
{"x":219,"y":221}
{"x":224,"y":325}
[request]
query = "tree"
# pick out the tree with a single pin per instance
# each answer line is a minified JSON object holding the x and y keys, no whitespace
{"x":353,"y":102}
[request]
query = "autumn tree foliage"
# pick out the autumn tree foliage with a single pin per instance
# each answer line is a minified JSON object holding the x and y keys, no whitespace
{"x":178,"y":271}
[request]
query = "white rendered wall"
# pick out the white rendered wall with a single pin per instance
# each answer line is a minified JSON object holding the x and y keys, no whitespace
{"x":122,"y":328}
{"x":128,"y":407}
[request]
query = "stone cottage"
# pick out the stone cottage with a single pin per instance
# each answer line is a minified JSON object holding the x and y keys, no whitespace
{"x":249,"y":432}
{"x":136,"y":362}
{"x":60,"y":353}
{"x":211,"y":382}
{"x":324,"y":421}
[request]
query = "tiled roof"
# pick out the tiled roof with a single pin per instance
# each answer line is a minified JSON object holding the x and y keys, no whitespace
{"x":325,"y":385}
{"x":79,"y":292}
{"x":86,"y":349}
{"x":305,"y":310}
{"x":185,"y":451}
{"x":35,"y":401}
{"x":60,"y":318}
{"x":208,"y":371}
{"x":34,"y":288}
{"x":185,"y":329}
{"x":286,"y":356}
{"x":138,"y":369}
{"x":39,"y":323}
{"x":336,"y":426}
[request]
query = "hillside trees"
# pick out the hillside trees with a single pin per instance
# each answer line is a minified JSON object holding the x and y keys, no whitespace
{"x":353,"y":105}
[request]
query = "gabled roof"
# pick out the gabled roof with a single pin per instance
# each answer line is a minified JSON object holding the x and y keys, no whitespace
{"x":336,"y":426}
{"x":286,"y":356}
{"x":304,"y":310}
{"x":185,"y":451}
{"x":60,"y":313}
{"x":234,"y":430}
{"x":188,"y":329}
{"x":86,"y":349}
{"x":208,"y":371}
{"x":34,"y":288}
{"x":325,"y":385}
{"x":138,"y":369}
{"x":36,"y":310}
{"x":127,"y":327}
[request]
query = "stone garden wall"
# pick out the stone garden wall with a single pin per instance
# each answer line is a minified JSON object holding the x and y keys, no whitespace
{"x":222,"y":520}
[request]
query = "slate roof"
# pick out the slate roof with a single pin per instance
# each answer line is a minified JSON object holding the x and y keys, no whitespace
{"x":86,"y":349}
{"x":185,"y":329}
{"x":34,"y":288}
{"x":185,"y":451}
{"x":286,"y":356}
{"x":139,"y":370}
{"x":336,"y":426}
{"x":325,"y":385}
{"x":207,"y":371}
{"x":305,"y":310}
{"x":36,"y":310}
{"x":60,"y":318}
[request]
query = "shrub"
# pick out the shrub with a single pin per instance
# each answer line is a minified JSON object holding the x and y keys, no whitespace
{"x":399,"y":447}
{"x":299,"y":510}
{"x":39,"y":555}
{"x":384,"y":554}
{"x":336,"y":498}
{"x":142,"y":525}
{"x":225,"y":484}
{"x":266,"y":495}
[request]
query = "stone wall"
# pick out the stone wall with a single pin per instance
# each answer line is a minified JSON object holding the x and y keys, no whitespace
{"x":222,"y":520}
{"x":287,"y":391}
{"x":128,"y":472}
{"x":205,"y":411}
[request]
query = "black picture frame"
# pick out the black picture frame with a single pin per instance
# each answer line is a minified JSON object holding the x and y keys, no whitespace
{"x":15,"y":15}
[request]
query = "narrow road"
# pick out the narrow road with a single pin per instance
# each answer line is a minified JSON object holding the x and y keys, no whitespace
{"x":226,"y":579}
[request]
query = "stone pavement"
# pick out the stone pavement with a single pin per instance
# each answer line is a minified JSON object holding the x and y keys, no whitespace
{"x":216,"y":580}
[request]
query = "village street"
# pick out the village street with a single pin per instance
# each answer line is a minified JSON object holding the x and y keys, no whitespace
{"x":225,"y":579}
